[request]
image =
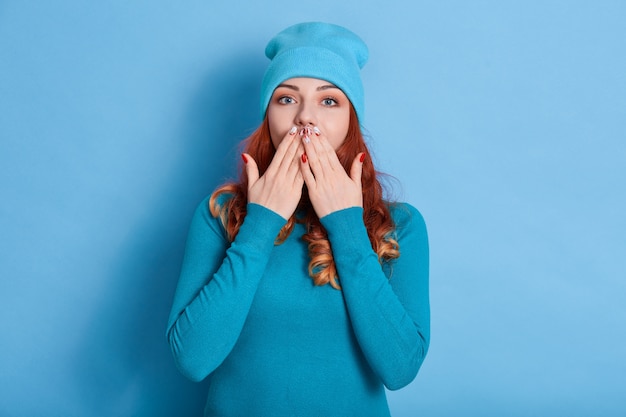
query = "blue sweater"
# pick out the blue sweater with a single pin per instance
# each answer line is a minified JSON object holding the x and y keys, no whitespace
{"x":247,"y":316}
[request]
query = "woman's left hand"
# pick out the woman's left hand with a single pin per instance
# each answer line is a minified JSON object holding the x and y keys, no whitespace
{"x":330,"y":188}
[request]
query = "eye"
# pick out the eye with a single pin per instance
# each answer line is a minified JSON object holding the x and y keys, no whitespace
{"x":286,"y":100}
{"x":329,"y":101}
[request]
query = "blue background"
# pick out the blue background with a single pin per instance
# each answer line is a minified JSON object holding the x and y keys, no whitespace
{"x":502,"y":121}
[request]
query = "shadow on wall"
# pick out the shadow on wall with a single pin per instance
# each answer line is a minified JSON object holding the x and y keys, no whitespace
{"x":125,"y":366}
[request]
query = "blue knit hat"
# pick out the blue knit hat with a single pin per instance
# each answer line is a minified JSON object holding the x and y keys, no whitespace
{"x":317,"y":50}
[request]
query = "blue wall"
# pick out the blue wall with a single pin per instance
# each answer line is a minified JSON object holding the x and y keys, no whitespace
{"x":503,"y":121}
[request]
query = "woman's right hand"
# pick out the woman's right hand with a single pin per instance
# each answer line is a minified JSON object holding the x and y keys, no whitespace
{"x":280,"y":187}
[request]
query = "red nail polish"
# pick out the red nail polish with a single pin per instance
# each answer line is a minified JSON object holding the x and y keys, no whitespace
{"x":304,"y":158}
{"x":245,"y":160}
{"x":362,"y":158}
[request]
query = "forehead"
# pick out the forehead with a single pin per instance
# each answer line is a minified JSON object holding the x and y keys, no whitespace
{"x":308,"y":84}
{"x":308,"y":81}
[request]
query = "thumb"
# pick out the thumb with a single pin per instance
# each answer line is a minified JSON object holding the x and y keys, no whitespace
{"x":252,"y":170}
{"x":357,"y":168}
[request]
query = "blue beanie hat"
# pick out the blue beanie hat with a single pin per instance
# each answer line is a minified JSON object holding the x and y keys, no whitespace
{"x":317,"y":50}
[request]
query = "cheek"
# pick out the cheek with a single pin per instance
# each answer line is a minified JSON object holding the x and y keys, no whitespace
{"x":340,"y":131}
{"x":274,"y":134}
{"x":276,"y":138}
{"x":276,"y":125}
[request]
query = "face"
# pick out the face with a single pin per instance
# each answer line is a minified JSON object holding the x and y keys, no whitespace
{"x":311,"y":102}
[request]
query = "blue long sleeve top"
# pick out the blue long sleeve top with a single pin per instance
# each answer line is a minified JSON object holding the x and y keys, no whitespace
{"x":247,"y":316}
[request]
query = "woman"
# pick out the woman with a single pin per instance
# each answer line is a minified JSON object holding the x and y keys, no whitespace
{"x":302,"y":292}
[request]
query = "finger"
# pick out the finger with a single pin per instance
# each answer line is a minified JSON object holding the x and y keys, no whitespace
{"x":252,"y":170}
{"x":324,"y":161}
{"x":307,"y":174}
{"x":294,"y":166}
{"x":356,"y":170}
{"x":331,"y":155}
{"x":315,"y":160}
{"x":289,"y":165}
{"x":284,"y":151}
{"x":292,"y":151}
{"x":299,"y":180}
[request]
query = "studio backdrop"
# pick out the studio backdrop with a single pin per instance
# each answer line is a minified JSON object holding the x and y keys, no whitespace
{"x":502,"y":122}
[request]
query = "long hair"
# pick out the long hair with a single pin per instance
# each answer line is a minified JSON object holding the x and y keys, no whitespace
{"x":376,"y":216}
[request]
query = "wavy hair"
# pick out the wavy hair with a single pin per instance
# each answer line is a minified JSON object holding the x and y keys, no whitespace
{"x":376,"y":216}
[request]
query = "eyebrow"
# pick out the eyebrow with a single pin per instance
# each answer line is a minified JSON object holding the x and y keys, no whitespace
{"x":320,"y":88}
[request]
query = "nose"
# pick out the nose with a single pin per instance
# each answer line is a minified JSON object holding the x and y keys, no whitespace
{"x":306,"y":115}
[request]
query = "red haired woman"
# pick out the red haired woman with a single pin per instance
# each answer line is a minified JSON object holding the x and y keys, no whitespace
{"x":302,"y":291}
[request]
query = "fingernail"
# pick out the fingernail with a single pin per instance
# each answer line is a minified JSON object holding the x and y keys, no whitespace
{"x":362,"y":158}
{"x":304,"y":158}
{"x":302,"y":131}
{"x":306,"y":139}
{"x":316,"y":131}
{"x":293,"y":130}
{"x":245,"y":160}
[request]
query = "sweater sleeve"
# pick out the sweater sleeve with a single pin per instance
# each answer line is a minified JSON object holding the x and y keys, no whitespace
{"x":390,"y":315}
{"x":216,"y":287}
